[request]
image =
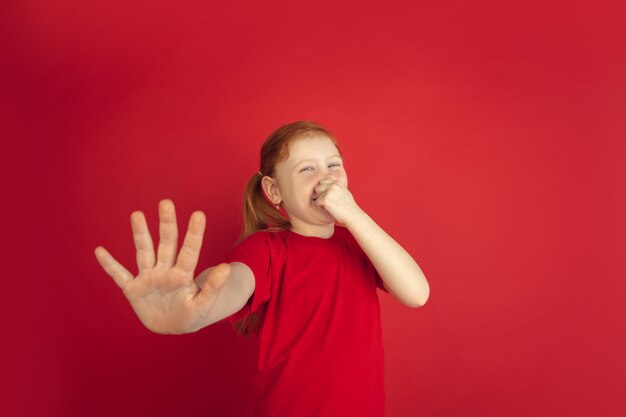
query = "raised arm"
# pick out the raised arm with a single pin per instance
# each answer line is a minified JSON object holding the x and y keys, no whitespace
{"x":164,"y":295}
{"x":402,"y":276}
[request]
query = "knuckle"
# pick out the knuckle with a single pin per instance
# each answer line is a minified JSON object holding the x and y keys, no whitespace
{"x":187,"y":250}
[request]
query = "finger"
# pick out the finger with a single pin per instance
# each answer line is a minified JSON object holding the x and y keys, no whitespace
{"x":189,"y":253}
{"x":168,"y":234}
{"x":320,"y":187}
{"x":215,"y":281}
{"x":143,"y":241}
{"x":120,"y":275}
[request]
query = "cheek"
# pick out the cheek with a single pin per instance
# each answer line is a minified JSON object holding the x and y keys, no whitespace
{"x":308,"y":187}
{"x":343,"y":177}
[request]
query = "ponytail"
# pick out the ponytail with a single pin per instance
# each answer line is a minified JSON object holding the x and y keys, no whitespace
{"x":258,"y":211}
{"x":258,"y":214}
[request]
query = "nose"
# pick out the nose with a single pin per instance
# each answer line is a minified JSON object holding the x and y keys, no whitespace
{"x":330,"y":174}
{"x":330,"y":177}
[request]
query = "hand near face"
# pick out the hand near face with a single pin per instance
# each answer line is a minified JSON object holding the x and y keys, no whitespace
{"x":336,"y":199}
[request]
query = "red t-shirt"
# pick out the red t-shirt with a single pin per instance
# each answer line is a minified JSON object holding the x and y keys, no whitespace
{"x":320,"y":339}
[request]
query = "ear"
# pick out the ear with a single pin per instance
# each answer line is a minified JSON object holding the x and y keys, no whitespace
{"x":270,"y":189}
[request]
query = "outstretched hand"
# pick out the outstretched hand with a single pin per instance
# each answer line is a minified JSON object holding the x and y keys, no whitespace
{"x":164,"y":294}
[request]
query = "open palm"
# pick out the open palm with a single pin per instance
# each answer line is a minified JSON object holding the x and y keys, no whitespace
{"x":164,"y":295}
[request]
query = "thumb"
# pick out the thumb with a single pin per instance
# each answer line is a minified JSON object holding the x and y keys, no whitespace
{"x":216,"y":279}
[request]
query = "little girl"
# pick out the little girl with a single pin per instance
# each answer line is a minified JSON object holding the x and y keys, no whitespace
{"x":303,"y":275}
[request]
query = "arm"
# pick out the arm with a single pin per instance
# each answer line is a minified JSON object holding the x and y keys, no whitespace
{"x":401,"y":275}
{"x":165,"y":295}
{"x":233,"y":295}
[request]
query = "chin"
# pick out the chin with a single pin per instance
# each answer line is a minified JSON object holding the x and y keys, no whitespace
{"x":329,"y":219}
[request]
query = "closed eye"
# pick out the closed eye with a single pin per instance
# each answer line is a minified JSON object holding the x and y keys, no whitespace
{"x":334,"y":164}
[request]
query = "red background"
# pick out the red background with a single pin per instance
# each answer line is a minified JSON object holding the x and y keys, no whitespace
{"x":486,"y":138}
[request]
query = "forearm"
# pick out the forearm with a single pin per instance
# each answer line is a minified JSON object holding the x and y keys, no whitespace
{"x":402,"y":275}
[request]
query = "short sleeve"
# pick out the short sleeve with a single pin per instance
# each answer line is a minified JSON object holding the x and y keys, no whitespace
{"x":366,"y":260}
{"x":254,"y":252}
{"x":379,"y":280}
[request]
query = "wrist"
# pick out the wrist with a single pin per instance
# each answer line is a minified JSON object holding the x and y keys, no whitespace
{"x":357,"y":218}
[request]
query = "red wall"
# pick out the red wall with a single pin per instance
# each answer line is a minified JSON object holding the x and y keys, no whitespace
{"x":486,"y":138}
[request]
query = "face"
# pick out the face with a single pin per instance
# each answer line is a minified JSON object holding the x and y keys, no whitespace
{"x":310,"y":160}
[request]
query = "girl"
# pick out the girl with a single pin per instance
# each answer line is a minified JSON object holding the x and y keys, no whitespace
{"x":303,"y":275}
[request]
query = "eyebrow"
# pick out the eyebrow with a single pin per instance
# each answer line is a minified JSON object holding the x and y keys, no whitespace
{"x":307,"y":160}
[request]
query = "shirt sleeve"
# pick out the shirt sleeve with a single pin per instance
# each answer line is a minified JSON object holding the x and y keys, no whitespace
{"x":254,"y":252}
{"x":368,"y":263}
{"x":379,"y":280}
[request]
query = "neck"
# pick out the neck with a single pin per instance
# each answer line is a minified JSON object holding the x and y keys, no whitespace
{"x":324,"y":231}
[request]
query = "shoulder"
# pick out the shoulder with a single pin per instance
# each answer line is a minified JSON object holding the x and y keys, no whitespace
{"x":349,"y":240}
{"x":262,"y":238}
{"x":344,"y":234}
